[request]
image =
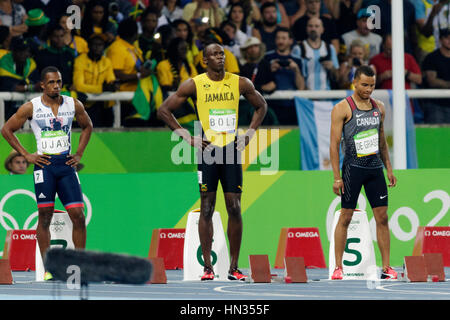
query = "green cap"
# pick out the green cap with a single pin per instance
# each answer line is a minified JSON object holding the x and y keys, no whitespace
{"x":36,"y":17}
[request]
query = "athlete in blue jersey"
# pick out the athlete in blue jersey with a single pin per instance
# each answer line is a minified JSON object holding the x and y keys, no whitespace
{"x":51,"y":117}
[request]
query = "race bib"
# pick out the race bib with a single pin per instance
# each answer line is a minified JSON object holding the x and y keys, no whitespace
{"x":222,"y":120}
{"x":54,"y":142}
{"x":366,"y":143}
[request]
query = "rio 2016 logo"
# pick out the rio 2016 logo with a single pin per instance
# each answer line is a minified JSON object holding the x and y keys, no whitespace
{"x":16,"y":200}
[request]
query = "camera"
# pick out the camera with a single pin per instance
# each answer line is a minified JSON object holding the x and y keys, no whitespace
{"x":283,"y":63}
{"x":356,"y":62}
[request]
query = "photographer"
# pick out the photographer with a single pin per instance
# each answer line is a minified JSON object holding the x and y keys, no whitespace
{"x":287,"y":74}
{"x":357,"y":57}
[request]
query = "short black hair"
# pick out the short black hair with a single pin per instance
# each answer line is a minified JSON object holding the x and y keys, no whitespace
{"x":267,"y":5}
{"x":127,"y":28}
{"x":46,"y":70}
{"x":365,"y":70}
{"x":284,"y":29}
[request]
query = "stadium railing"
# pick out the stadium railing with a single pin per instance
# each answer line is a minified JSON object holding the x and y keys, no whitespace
{"x":278,"y":95}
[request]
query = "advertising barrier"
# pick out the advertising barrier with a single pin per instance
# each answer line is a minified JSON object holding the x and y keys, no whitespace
{"x":122,"y":210}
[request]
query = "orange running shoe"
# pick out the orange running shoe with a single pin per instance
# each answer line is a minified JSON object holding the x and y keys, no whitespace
{"x":337,"y":274}
{"x":389,"y":274}
{"x":236,"y":274}
{"x":208,"y":275}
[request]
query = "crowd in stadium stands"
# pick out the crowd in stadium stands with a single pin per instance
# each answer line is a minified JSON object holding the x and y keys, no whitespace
{"x":278,"y":44}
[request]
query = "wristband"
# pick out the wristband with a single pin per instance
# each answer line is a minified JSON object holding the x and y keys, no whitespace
{"x":338,"y":180}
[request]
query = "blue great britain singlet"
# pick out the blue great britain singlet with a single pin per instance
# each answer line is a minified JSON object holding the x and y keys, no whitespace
{"x":52,"y":133}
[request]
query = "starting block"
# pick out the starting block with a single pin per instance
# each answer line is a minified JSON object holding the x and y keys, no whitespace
{"x":260,"y":268}
{"x":300,"y":242}
{"x":415,"y":269}
{"x":61,"y":228}
{"x":158,"y":271}
{"x":5,"y":272}
{"x":433,"y":240}
{"x":168,"y":244}
{"x":435,"y":265}
{"x":295,"y":270}
{"x":193,"y":262}
{"x":19,"y":249}
{"x":359,"y":256}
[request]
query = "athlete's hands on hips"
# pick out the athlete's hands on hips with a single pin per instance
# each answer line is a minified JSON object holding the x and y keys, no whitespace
{"x":38,"y":159}
{"x":200,"y":143}
{"x":74,"y":160}
{"x":244,"y":139}
{"x":338,"y":187}
{"x":392,"y":179}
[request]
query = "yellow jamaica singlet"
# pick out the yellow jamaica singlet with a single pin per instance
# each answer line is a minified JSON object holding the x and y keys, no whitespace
{"x":218,"y":107}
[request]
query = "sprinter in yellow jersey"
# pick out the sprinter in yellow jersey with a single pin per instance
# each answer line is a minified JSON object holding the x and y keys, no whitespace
{"x":217,"y":94}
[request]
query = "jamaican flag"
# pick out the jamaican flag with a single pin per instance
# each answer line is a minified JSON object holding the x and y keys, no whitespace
{"x":7,"y":68}
{"x":147,"y":97}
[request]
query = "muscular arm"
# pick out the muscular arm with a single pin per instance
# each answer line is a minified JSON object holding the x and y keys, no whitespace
{"x":384,"y":149}
{"x":247,"y":89}
{"x":339,"y":115}
{"x":15,"y":123}
{"x":173,"y":102}
{"x":86,"y":129}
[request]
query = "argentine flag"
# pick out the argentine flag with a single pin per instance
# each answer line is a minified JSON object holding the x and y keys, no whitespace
{"x":314,"y":120}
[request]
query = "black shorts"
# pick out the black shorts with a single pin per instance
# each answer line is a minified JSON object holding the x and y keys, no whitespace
{"x":374,"y":185}
{"x":57,"y":177}
{"x":221,"y":164}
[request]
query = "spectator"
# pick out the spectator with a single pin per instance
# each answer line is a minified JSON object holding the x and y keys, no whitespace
{"x":172,"y":10}
{"x":285,"y":67}
{"x":198,"y":9}
{"x":15,"y":163}
{"x":71,"y":39}
{"x":5,"y":39}
{"x":36,"y":35}
{"x":235,"y":38}
{"x":57,"y":54}
{"x":329,"y":34}
{"x":320,"y":58}
{"x":164,"y":35}
{"x":382,"y":64}
{"x":176,"y":69}
{"x":436,"y":67}
{"x":238,"y":17}
{"x":344,"y":13}
{"x":266,"y":29}
{"x":127,"y":60}
{"x":150,"y":47}
{"x":409,"y":21}
{"x":431,"y":16}
{"x":362,"y":32}
{"x":157,"y":6}
{"x":18,"y":73}
{"x":255,"y":67}
{"x":93,"y":73}
{"x":183,"y":30}
{"x":282,"y":17}
{"x":96,"y":20}
{"x":13,"y":15}
{"x":53,"y":9}
{"x":214,"y":35}
{"x":251,"y":9}
{"x":287,"y":74}
{"x":357,"y":56}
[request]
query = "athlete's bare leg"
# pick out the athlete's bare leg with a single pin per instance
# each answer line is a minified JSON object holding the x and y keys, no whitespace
{"x":79,"y":227}
{"x":383,"y":233}
{"x":340,"y":234}
{"x":205,"y":225}
{"x":43,"y":229}
{"x":234,"y":229}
